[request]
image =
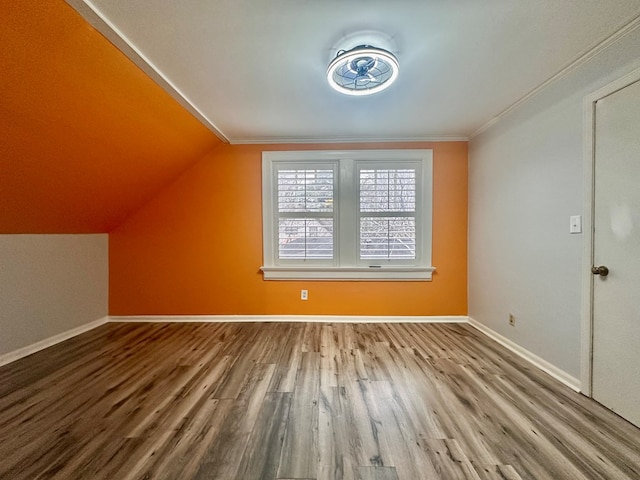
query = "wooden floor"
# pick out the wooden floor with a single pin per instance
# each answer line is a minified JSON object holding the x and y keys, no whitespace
{"x":299,"y":401}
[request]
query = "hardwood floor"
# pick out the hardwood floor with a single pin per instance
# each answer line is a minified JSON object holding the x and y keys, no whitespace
{"x":299,"y":401}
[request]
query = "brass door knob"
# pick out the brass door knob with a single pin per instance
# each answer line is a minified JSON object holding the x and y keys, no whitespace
{"x":601,"y":270}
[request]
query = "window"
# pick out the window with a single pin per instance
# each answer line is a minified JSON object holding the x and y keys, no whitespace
{"x":352,"y":215}
{"x":306,"y":216}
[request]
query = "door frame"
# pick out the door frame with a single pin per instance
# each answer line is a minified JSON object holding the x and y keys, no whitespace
{"x":589,"y":123}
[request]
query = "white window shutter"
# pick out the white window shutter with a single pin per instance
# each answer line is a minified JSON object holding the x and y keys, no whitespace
{"x":387,"y":213}
{"x":305,"y":211}
{"x":353,"y":215}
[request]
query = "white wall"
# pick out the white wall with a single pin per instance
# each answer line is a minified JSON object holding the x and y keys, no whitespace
{"x":50,"y":284}
{"x":525,"y":180}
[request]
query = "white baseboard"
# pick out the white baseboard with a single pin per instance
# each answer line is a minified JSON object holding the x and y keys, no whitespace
{"x":291,"y":318}
{"x":538,"y":362}
{"x":532,"y":358}
{"x":48,"y":342}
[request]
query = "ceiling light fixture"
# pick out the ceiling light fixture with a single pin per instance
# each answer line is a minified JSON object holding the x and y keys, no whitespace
{"x":363,"y":70}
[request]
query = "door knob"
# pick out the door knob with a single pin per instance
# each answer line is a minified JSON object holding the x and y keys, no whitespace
{"x":601,"y":270}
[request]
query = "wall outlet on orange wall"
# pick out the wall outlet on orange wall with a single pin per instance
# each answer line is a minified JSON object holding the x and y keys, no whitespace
{"x":304,"y":294}
{"x":168,"y":239}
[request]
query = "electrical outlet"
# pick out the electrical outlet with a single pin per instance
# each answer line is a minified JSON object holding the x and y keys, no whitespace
{"x":512,"y":320}
{"x":304,"y":294}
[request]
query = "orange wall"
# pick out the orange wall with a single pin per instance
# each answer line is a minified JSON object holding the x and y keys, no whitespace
{"x":196,"y":248}
{"x":86,"y":138}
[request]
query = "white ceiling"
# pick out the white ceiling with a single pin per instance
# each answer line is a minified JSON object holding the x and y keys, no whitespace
{"x":255,"y":70}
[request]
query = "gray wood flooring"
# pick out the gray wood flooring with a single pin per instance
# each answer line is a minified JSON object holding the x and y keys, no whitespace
{"x":299,"y":401}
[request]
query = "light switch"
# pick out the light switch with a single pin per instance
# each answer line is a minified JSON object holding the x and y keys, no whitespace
{"x":575,"y":224}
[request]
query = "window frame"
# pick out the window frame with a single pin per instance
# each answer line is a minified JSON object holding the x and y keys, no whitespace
{"x":275,"y":214}
{"x":419,"y":229}
{"x":345,"y":264}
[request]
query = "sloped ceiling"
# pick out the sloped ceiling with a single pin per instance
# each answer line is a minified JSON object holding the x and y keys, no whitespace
{"x":256,"y":70}
{"x":85,"y":136}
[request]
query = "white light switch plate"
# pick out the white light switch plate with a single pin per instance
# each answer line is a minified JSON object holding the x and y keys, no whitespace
{"x":575,"y":224}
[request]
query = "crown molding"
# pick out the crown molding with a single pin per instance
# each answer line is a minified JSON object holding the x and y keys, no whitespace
{"x":282,"y":140}
{"x":578,"y":62}
{"x":95,"y":18}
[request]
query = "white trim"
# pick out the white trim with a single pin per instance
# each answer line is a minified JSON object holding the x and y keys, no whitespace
{"x":94,"y":17}
{"x":345,"y":264}
{"x":101,"y":23}
{"x":536,"y":361}
{"x":349,"y":273}
{"x":289,"y":318}
{"x":587,"y":247}
{"x":48,"y":342}
{"x":533,"y":359}
{"x":582,"y":59}
{"x":522,"y":352}
{"x":338,"y":140}
{"x":589,"y":105}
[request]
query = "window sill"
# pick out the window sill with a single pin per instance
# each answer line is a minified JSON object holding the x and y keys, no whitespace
{"x":349,"y":273}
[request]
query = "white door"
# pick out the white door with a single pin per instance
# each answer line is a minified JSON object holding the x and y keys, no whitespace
{"x":616,"y":296}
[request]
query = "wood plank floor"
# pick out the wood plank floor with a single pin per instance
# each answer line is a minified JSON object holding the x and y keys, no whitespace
{"x":299,"y":401}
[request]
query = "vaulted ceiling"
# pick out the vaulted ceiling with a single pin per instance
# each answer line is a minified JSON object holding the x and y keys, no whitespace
{"x":256,"y":70}
{"x":85,"y":136}
{"x":91,"y":127}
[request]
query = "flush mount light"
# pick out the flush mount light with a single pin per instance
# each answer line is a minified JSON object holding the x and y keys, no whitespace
{"x":363,"y":70}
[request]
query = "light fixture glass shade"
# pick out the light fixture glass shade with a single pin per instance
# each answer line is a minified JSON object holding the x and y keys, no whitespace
{"x":363,"y":70}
